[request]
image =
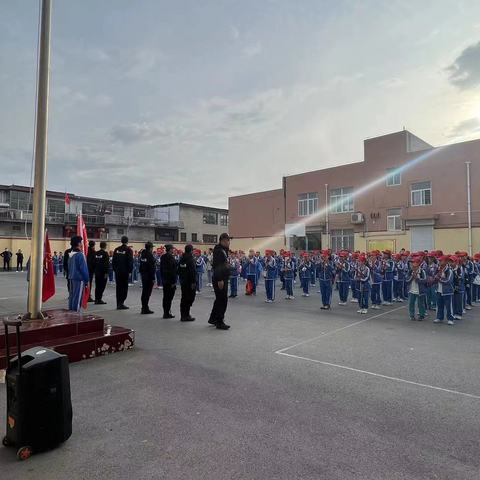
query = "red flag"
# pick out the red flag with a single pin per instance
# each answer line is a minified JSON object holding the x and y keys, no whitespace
{"x":48,"y":283}
{"x":67,"y":199}
{"x":82,"y":232}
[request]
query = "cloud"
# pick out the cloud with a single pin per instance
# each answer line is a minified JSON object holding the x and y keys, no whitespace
{"x":252,"y":50}
{"x":464,"y":72}
{"x":137,"y":133}
{"x":466,"y":128}
{"x":141,"y":62}
{"x":393,"y":82}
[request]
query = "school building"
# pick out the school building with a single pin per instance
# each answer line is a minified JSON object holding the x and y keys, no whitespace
{"x":109,"y":220}
{"x":405,"y":193}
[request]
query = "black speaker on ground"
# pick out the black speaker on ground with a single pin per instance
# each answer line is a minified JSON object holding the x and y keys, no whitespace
{"x":39,"y":407}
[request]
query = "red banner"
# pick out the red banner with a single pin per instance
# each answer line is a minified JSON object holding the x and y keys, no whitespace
{"x":82,"y":232}
{"x":48,"y":281}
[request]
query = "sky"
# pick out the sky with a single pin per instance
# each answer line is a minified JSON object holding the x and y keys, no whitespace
{"x":193,"y":101}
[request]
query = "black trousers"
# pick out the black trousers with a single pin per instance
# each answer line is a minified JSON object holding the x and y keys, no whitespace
{"x":220,"y":303}
{"x":168,"y":294}
{"x":147,"y":287}
{"x":91,"y":274}
{"x":100,"y":284}
{"x":19,"y":266}
{"x":121,"y":284}
{"x":6,"y":264}
{"x":188,"y":297}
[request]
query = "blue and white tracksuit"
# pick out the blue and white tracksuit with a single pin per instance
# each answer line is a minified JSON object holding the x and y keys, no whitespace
{"x":78,"y":278}
{"x":235,"y":269}
{"x":343,"y":280}
{"x":364,"y":286}
{"x":288,"y":273}
{"x":326,"y":273}
{"x":445,"y":294}
{"x":270,"y":277}
{"x":376,"y":281}
{"x":252,"y":269}
{"x":304,"y":272}
{"x":387,"y":280}
{"x":200,"y":269}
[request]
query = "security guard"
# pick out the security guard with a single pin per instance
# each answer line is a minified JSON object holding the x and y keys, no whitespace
{"x":102,"y":264}
{"x":122,"y":264}
{"x":187,"y":273}
{"x":147,"y":271}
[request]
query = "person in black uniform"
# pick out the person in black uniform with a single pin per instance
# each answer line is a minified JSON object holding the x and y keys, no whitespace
{"x":147,"y":271}
{"x":188,"y":276}
{"x":66,"y":256}
{"x":168,"y":269}
{"x":102,"y":263}
{"x":19,"y":255}
{"x":7,"y":255}
{"x":91,"y":261}
{"x":122,"y":264}
{"x":221,"y":274}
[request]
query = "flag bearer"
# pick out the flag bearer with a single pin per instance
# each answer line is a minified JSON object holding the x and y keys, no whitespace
{"x":270,"y":275}
{"x":78,"y":275}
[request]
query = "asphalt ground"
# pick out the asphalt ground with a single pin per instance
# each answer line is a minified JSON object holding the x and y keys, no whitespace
{"x":289,"y":392}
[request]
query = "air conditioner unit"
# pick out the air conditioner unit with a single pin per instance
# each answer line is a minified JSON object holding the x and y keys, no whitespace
{"x":357,"y":218}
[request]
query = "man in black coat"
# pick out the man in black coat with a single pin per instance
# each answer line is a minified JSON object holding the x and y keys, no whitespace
{"x":91,"y":265}
{"x":7,"y":255}
{"x":122,"y":263}
{"x":188,"y":276}
{"x":221,"y":274}
{"x":66,"y":256}
{"x":19,"y":255}
{"x":168,"y":269}
{"x":102,"y":264}
{"x":147,"y":271}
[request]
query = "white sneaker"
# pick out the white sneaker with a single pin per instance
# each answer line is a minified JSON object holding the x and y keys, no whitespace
{"x":360,"y":311}
{"x":400,"y":300}
{"x":451,"y":322}
{"x":307,"y":294}
{"x":342,"y":303}
{"x":457,"y":317}
{"x":292,"y":297}
{"x":468,"y":307}
{"x":437,"y":321}
{"x":353,"y":300}
{"x":364,"y":311}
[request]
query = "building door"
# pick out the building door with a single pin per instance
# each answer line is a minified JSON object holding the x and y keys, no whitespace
{"x":421,"y":238}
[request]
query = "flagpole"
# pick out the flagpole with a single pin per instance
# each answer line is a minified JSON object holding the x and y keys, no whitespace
{"x":40,"y":180}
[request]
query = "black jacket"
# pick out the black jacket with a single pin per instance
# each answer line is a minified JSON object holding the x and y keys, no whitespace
{"x":220,"y":266}
{"x":187,"y":270}
{"x":102,"y":263}
{"x":65,"y":261}
{"x":168,"y":269}
{"x":91,"y":260}
{"x":147,"y":265}
{"x":122,"y":261}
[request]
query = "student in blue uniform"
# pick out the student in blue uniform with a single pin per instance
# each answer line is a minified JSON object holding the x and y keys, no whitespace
{"x":199,"y":268}
{"x":417,"y":287}
{"x":78,"y":276}
{"x":375,"y":281}
{"x":387,"y":280}
{"x":353,"y":282}
{"x":252,"y":269}
{"x":327,"y":275}
{"x":444,"y":291}
{"x":362,"y":276}
{"x":288,"y":272}
{"x":270,"y":267}
{"x":458,"y":287}
{"x":343,"y":277}
{"x":235,"y":271}
{"x":304,"y":270}
{"x":399,"y":272}
{"x":431,"y":287}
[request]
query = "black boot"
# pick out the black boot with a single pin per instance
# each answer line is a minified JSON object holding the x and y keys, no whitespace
{"x":168,"y":315}
{"x":222,"y":326}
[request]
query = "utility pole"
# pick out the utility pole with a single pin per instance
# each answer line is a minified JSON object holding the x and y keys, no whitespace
{"x":40,"y":178}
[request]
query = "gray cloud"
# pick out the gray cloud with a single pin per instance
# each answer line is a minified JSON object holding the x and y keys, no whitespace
{"x":467,"y":127}
{"x":465,"y":70}
{"x":137,"y":133}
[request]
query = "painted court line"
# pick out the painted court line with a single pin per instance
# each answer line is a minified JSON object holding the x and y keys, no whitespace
{"x":331,"y":332}
{"x":379,"y":375}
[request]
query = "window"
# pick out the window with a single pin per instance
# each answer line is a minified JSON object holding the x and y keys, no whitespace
{"x":194,"y":237}
{"x":421,"y":194}
{"x":20,"y":201}
{"x":55,"y":206}
{"x":166,"y":235}
{"x":209,"y":238}
{"x":342,"y":240}
{"x":183,"y":236}
{"x":394,"y":220}
{"x":307,"y":204}
{"x":394,"y":177}
{"x":210,"y":218}
{"x":341,"y":200}
{"x":16,"y":228}
{"x":90,"y":208}
{"x":139,"y":213}
{"x":120,"y":231}
{"x":117,"y":210}
{"x":224,"y":219}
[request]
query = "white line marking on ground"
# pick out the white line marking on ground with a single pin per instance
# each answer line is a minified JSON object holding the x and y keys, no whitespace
{"x":379,"y":375}
{"x":331,"y":332}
